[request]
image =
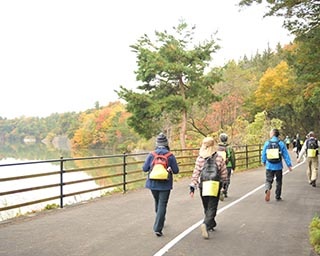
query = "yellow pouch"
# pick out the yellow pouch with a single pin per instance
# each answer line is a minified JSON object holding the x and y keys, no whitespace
{"x":311,"y":152}
{"x":272,"y":153}
{"x":158,"y":173}
{"x":210,"y":188}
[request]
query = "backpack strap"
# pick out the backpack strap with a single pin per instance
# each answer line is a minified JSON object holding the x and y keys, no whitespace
{"x":166,"y":155}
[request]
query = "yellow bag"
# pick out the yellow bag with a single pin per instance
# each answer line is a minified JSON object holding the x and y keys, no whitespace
{"x":272,"y":153}
{"x":159,"y":166}
{"x":158,"y":173}
{"x":311,"y":152}
{"x":210,"y":188}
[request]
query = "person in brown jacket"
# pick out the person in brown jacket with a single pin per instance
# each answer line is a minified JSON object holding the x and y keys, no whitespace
{"x":209,"y":174}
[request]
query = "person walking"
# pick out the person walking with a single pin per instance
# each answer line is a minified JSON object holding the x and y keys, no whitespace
{"x":287,"y":141}
{"x":209,"y":174}
{"x":160,"y":189}
{"x":310,"y":148}
{"x":297,"y":144}
{"x":230,"y":159}
{"x":274,"y":150}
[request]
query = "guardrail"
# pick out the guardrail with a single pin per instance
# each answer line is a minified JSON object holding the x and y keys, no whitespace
{"x":105,"y":174}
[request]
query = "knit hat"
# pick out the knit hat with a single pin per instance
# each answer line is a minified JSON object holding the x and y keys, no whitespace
{"x":207,"y":147}
{"x":161,"y":140}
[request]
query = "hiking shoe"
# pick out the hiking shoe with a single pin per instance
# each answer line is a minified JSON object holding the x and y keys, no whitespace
{"x":313,"y":183}
{"x":204,"y":231}
{"x":267,"y":197}
{"x":158,"y":233}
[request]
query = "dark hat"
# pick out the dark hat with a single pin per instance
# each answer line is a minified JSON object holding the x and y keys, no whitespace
{"x":223,"y":137}
{"x":162,"y":140}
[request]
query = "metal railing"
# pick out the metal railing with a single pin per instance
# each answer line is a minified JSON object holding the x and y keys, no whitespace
{"x":105,"y":174}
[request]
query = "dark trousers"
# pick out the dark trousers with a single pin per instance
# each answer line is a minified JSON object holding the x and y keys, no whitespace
{"x":210,"y":206}
{"x":161,"y":199}
{"x":227,"y":183}
{"x":269,"y":180}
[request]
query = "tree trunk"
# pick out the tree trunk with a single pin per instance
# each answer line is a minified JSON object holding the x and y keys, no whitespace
{"x":183,"y":130}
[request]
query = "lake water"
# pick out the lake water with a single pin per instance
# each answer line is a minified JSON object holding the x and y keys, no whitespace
{"x":35,"y":152}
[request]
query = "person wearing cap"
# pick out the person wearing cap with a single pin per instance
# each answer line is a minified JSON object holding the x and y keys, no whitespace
{"x":210,"y":203}
{"x":230,"y":159}
{"x":274,"y":169}
{"x":310,"y":149}
{"x":160,"y":189}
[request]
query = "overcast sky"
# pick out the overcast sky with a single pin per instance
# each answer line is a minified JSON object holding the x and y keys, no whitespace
{"x":65,"y":55}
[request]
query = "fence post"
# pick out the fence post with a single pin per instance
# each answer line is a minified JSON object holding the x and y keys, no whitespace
{"x":61,"y":182}
{"x":124,"y":172}
{"x":247,"y":157}
{"x":260,"y":153}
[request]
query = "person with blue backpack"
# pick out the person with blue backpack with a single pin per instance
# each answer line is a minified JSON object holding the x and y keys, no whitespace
{"x":273,"y":152}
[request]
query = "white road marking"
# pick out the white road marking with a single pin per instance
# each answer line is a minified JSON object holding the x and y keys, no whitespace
{"x":174,"y":241}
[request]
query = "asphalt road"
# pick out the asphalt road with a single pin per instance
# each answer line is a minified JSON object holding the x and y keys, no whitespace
{"x":121,"y":224}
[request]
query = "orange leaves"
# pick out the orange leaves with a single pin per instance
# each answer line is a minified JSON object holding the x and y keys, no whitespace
{"x":100,"y":126}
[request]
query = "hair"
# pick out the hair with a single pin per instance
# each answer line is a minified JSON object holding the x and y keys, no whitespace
{"x":311,"y":134}
{"x":275,"y":132}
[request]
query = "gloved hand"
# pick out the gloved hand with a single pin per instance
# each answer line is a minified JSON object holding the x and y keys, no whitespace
{"x":192,"y":189}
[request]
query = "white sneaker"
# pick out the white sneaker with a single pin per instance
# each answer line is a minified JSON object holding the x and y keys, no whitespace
{"x":204,"y":231}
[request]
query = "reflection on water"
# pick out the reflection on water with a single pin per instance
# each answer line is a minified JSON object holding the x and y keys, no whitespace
{"x":24,"y":153}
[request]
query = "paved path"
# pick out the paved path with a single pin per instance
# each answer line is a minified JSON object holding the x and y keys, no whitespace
{"x":122,"y":224}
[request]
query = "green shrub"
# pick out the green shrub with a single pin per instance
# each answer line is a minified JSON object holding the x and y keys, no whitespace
{"x":314,"y":233}
{"x":51,"y":206}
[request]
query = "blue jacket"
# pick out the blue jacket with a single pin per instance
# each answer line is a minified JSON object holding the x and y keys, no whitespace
{"x":160,"y":185}
{"x":284,"y":152}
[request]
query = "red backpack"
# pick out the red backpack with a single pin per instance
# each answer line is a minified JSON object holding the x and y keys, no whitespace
{"x":159,"y":166}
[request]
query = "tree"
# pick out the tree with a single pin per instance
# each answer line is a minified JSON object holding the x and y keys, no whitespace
{"x":276,"y":87}
{"x":301,"y":16}
{"x":175,"y":78}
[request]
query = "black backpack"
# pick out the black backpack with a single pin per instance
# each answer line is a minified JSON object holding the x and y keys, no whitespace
{"x":312,"y":143}
{"x":210,"y":169}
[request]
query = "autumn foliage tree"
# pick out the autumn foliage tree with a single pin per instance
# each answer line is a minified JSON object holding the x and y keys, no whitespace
{"x":105,"y":127}
{"x":276,"y":87}
{"x":302,"y":19}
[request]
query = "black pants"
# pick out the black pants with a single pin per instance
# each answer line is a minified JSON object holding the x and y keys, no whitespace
{"x":269,"y":180}
{"x":210,"y":206}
